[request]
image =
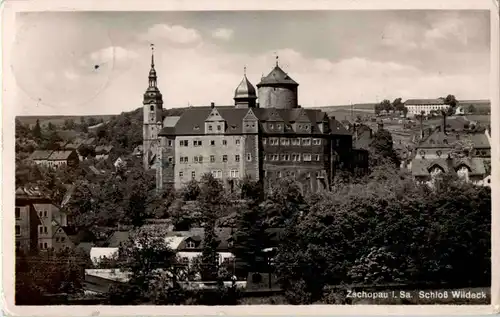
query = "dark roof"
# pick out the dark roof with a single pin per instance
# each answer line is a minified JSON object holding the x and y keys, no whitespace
{"x":422,"y":167}
{"x":40,"y":155}
{"x":60,"y":155}
{"x":192,"y":121}
{"x":117,"y":238}
{"x":438,"y":101}
{"x":103,"y":149}
{"x":277,"y":77}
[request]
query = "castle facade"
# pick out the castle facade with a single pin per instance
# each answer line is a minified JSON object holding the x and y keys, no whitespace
{"x":265,"y":135}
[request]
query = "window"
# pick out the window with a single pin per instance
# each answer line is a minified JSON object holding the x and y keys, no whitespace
{"x":217,"y":174}
{"x":224,"y":158}
{"x":212,"y":158}
{"x":18,"y":230}
{"x":307,"y":157}
{"x":237,"y":141}
{"x":306,"y":141}
{"x":274,"y":141}
{"x":62,"y":239}
{"x":193,"y":174}
{"x":296,"y":141}
{"x":278,"y":126}
{"x":57,"y":239}
{"x":181,"y":174}
{"x":197,"y":143}
{"x":285,"y":141}
{"x":285,"y":157}
{"x":316,"y":141}
{"x":45,"y":213}
{"x":264,"y":157}
{"x":316,"y":157}
{"x":264,"y":141}
{"x":184,"y":143}
{"x":236,"y":158}
{"x":275,"y":157}
{"x":184,"y":159}
{"x":198,"y":159}
{"x":224,"y":142}
{"x":170,"y":159}
{"x":41,"y":245}
{"x":271,"y":126}
{"x":152,"y":108}
{"x":18,"y":213}
{"x":235,"y":173}
{"x":212,"y":142}
{"x":45,"y":245}
{"x":279,"y":174}
{"x":210,"y":127}
{"x":219,"y":127}
{"x":249,"y":157}
{"x":190,"y":244}
{"x":170,"y":142}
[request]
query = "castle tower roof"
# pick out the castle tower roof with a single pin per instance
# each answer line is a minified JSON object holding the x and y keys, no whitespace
{"x":245,"y":89}
{"x":277,"y":77}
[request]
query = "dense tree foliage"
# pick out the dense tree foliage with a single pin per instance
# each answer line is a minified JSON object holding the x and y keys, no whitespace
{"x":387,"y":230}
{"x":49,"y":273}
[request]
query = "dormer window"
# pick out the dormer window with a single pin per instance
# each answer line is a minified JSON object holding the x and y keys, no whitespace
{"x":210,"y":128}
{"x":278,"y":126}
{"x":233,"y":127}
{"x":196,"y":127}
{"x":190,"y":244}
{"x":271,"y":126}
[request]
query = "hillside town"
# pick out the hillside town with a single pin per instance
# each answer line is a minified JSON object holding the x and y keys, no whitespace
{"x":262,"y":201}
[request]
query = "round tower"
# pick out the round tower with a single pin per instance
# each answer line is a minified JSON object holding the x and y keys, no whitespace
{"x":245,"y":95}
{"x":278,"y":90}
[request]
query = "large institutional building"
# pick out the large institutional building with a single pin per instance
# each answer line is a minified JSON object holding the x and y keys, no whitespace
{"x":267,"y":139}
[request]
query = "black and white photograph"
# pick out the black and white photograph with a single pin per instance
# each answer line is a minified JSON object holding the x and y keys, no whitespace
{"x":252,"y":157}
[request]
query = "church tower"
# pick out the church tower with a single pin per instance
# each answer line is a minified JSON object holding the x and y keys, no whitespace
{"x":153,"y":117}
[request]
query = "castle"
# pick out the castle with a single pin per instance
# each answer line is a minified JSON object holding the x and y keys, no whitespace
{"x":267,"y":139}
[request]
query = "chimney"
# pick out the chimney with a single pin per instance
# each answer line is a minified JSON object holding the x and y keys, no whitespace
{"x":212,"y":104}
{"x":444,"y":123}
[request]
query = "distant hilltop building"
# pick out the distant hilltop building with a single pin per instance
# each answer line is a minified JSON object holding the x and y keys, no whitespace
{"x":418,"y":106}
{"x":268,"y":138}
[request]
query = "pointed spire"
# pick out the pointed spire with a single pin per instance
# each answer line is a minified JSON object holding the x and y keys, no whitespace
{"x":152,"y":55}
{"x":277,"y":60}
{"x":244,"y":71}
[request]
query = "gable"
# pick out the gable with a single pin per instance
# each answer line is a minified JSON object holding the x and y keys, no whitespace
{"x":214,"y":116}
{"x":250,"y":116}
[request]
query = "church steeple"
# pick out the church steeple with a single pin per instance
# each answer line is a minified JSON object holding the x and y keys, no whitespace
{"x":152,"y":71}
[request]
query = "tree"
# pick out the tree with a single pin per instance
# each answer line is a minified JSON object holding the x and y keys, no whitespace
{"x":51,"y":126}
{"x":452,"y":102}
{"x":151,"y":267}
{"x":398,"y":104}
{"x":386,"y":105}
{"x":381,"y":149}
{"x":471,"y":109}
{"x":69,"y":124}
{"x":250,"y":238}
{"x":49,"y":273}
{"x":405,"y":111}
{"x":211,"y":200}
{"x":37,"y":131}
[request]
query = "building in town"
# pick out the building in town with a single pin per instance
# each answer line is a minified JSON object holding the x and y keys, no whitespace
{"x":418,"y":106}
{"x":55,"y":159}
{"x":40,"y":224}
{"x":270,"y":138}
{"x":467,"y":154}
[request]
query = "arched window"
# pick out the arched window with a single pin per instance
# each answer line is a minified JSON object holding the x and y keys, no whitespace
{"x":435,"y":171}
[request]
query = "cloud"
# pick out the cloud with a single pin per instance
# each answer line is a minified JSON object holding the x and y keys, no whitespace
{"x":223,"y":34}
{"x":71,"y":75}
{"x":173,"y":33}
{"x":197,"y":71}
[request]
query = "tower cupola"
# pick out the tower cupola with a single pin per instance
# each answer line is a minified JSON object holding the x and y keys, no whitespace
{"x":245,"y":95}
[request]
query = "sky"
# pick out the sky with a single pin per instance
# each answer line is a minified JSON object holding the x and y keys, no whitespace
{"x":81,"y":63}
